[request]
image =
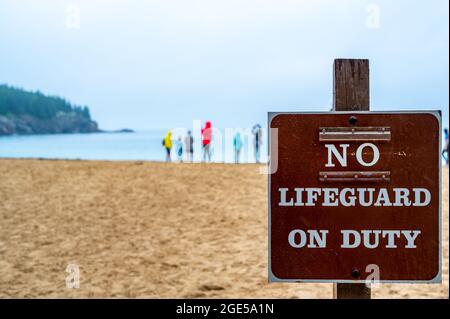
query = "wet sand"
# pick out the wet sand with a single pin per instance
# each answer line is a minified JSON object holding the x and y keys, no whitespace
{"x":149,"y":230}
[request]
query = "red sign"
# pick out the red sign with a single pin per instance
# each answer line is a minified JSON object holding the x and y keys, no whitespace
{"x":355,"y":197}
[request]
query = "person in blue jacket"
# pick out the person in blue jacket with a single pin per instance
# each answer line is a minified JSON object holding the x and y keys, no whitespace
{"x":237,"y":143}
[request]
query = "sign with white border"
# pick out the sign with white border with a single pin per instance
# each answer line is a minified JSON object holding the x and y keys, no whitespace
{"x":355,"y":196}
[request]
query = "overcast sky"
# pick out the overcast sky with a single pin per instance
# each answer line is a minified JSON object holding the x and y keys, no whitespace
{"x":160,"y":64}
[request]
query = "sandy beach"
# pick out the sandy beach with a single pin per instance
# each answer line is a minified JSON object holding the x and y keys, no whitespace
{"x":149,"y":230}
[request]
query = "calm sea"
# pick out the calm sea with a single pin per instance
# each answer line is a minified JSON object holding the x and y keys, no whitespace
{"x":111,"y":146}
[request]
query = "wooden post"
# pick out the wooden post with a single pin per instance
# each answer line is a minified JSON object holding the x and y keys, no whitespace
{"x":351,"y":291}
{"x":351,"y":93}
{"x":351,"y":85}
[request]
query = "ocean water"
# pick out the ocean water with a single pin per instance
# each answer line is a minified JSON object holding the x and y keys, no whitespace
{"x":113,"y":146}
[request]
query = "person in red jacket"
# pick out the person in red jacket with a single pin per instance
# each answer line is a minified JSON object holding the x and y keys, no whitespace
{"x":206,"y":141}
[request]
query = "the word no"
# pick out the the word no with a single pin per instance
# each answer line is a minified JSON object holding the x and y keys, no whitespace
{"x":342,"y":156}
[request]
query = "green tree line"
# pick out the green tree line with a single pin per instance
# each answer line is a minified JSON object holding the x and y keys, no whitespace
{"x":15,"y":101}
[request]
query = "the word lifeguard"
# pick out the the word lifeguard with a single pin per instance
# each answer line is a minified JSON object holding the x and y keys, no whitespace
{"x":348,"y":197}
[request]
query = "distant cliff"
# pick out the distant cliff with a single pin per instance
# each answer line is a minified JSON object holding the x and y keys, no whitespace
{"x":23,"y":112}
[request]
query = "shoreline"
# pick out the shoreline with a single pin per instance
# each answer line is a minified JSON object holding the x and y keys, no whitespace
{"x":123,"y":161}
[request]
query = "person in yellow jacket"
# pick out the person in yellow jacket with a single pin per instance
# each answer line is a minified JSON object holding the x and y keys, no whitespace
{"x":167,"y":143}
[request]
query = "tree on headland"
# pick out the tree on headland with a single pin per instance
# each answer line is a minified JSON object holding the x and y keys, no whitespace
{"x":16,"y":102}
{"x":24,"y":112}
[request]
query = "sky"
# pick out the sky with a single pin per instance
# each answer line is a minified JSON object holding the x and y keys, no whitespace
{"x":160,"y":64}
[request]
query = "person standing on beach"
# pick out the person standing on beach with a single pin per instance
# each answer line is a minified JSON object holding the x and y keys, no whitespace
{"x":189,"y":144}
{"x":237,"y":143}
{"x":445,"y":151}
{"x":206,"y":141}
{"x":257,"y":141}
{"x":180,"y":150}
{"x":167,"y":143}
